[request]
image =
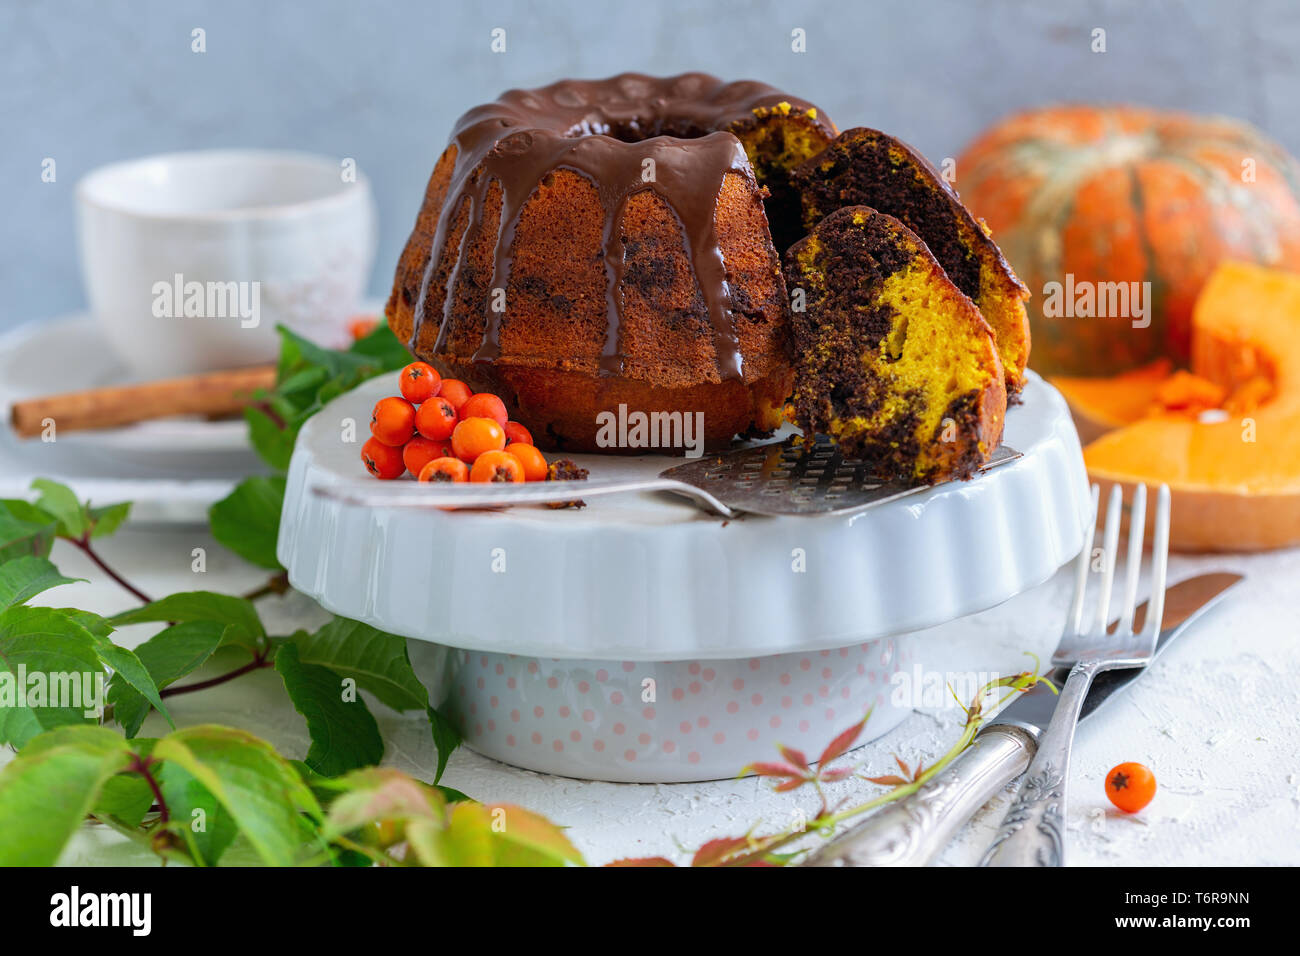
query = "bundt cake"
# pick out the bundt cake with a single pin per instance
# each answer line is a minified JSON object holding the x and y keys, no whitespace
{"x":597,"y":244}
{"x":869,"y":168}
{"x":601,"y":248}
{"x":893,"y":360}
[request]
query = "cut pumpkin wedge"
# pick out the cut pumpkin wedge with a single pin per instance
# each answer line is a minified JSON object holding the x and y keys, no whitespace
{"x":1100,"y":405}
{"x":1235,"y":475}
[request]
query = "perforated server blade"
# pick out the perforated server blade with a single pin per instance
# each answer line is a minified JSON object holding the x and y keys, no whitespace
{"x":792,"y":478}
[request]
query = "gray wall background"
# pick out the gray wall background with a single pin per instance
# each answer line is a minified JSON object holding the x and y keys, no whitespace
{"x":91,"y":81}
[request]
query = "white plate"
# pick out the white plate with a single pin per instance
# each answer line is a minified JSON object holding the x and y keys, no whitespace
{"x":152,"y":502}
{"x":648,"y":577}
{"x":71,"y":353}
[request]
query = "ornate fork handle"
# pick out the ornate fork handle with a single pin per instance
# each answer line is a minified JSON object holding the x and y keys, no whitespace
{"x":913,"y":830}
{"x":1032,"y":832}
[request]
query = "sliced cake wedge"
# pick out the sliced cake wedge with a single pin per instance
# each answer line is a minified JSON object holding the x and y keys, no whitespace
{"x":892,"y":360}
{"x":870,"y":168}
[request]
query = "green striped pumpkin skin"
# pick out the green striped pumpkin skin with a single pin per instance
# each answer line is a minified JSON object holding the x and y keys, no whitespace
{"x":1084,"y":197}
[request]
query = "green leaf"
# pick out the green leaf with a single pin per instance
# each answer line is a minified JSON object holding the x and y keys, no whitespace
{"x":60,"y":501}
{"x":305,"y":381}
{"x":197,"y":817}
{"x":106,"y":520}
{"x":384,"y":347}
{"x":25,"y":529}
{"x":446,"y":738}
{"x":126,"y":797}
{"x":345,"y":857}
{"x":23,"y":578}
{"x":377,"y":660}
{"x":129,"y":669}
{"x":92,"y":622}
{"x":296,"y":351}
{"x":273,"y":809}
{"x":247,"y":521}
{"x":239,"y":614}
{"x":57,"y":658}
{"x":308,"y":775}
{"x":308,"y":376}
{"x":47,"y":790}
{"x":466,"y":840}
{"x":344,"y":735}
{"x":273,"y":444}
{"x":168,"y":656}
{"x":500,"y":835}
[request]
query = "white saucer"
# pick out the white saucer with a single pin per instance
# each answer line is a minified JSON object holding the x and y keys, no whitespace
{"x":648,"y":577}
{"x":171,"y":469}
{"x":71,"y":353}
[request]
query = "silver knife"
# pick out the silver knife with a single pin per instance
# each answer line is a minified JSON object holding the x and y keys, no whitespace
{"x":912,"y":831}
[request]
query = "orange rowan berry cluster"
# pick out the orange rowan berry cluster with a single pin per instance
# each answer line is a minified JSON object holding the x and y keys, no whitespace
{"x":439,"y":430}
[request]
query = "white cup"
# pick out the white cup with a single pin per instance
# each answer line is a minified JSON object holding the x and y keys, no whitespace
{"x":190,"y":260}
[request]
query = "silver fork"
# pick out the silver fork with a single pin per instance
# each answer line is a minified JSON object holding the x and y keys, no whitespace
{"x":1032,"y":833}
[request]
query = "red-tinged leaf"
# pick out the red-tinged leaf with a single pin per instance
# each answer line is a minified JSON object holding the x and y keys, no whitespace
{"x":889,"y":780}
{"x":795,"y":757}
{"x":920,"y":768}
{"x":773,"y":770}
{"x":841,"y":743}
{"x":520,"y":833}
{"x":755,"y":856}
{"x":716,"y":851}
{"x":838,"y":773}
{"x":642,"y":861}
{"x":789,"y":785}
{"x":759,"y":851}
{"x":902,"y":766}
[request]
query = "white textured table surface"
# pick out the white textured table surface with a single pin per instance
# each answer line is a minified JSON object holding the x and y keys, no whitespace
{"x":1217,"y":719}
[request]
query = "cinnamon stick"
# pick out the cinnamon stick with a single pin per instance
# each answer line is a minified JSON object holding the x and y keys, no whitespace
{"x":211,"y":394}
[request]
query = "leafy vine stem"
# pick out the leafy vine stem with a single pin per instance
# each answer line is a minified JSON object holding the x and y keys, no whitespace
{"x":142,"y":766}
{"x":83,"y":544}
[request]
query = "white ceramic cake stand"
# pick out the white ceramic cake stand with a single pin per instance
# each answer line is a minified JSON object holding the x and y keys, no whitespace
{"x":641,"y":639}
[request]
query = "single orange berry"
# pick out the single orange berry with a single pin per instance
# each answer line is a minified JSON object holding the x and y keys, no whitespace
{"x":445,"y":469}
{"x":435,"y":419}
{"x":382,"y":460}
{"x":485,"y":405}
{"x":496,"y":466}
{"x":393,"y":421}
{"x":1130,"y":786}
{"x":532,"y":460}
{"x":517,"y":433}
{"x":456,"y":392}
{"x":419,"y":382}
{"x":360,"y":326}
{"x":474,"y":436}
{"x":419,"y":451}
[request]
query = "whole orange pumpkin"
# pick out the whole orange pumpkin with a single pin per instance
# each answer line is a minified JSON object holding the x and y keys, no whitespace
{"x":1115,"y":216}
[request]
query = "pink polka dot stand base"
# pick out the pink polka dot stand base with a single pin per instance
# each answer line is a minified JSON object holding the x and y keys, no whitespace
{"x":670,"y":721}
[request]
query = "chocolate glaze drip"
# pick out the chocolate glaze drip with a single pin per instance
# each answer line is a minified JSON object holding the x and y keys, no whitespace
{"x":606,"y":131}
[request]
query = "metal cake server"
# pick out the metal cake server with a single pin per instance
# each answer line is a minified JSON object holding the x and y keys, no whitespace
{"x":779,"y":478}
{"x":912,"y":831}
